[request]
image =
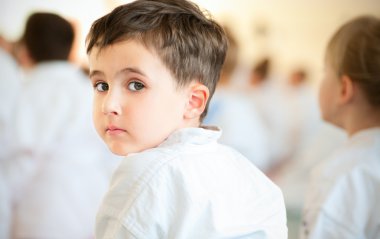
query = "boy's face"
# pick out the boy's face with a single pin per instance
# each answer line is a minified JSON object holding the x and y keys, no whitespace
{"x":329,"y":93}
{"x":136,"y":102}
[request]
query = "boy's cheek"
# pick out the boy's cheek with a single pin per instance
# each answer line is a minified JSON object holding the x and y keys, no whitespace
{"x":96,"y":118}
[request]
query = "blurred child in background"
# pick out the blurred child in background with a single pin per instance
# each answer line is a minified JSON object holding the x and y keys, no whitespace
{"x":10,"y":80}
{"x":231,"y":110}
{"x":344,"y":189}
{"x":269,"y":98}
{"x":55,"y":167}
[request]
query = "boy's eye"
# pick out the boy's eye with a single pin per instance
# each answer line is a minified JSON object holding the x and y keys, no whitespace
{"x":101,"y":86}
{"x":135,"y":86}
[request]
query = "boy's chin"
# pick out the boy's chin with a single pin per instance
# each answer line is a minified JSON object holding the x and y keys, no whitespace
{"x":122,"y":151}
{"x":119,"y":151}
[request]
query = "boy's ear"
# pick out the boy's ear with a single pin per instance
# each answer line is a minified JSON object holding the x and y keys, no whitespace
{"x":198,"y":96}
{"x":347,"y":89}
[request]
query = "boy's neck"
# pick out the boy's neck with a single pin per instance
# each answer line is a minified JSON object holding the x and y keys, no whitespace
{"x":191,"y":123}
{"x":365,"y":118}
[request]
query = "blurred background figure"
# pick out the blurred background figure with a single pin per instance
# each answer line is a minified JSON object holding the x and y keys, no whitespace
{"x":231,"y":111}
{"x":298,"y":138}
{"x":344,"y":189}
{"x":304,"y":110}
{"x":260,"y":73}
{"x":292,"y":176}
{"x":307,"y":133}
{"x":10,"y":80}
{"x":298,"y":77}
{"x":268,"y":96}
{"x":56,"y":169}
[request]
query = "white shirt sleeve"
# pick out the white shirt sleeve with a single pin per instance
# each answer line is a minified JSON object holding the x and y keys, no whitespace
{"x":110,"y":227}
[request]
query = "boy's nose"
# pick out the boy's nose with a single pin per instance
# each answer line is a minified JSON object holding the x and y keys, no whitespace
{"x":111,"y":104}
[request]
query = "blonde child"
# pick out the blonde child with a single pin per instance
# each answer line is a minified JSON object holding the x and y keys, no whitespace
{"x":154,"y":66}
{"x":345,"y":189}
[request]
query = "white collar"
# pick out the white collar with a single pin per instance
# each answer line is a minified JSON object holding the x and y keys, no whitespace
{"x":365,"y":133}
{"x":197,"y":136}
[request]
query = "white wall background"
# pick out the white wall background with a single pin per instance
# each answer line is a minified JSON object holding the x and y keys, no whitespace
{"x":293,"y":32}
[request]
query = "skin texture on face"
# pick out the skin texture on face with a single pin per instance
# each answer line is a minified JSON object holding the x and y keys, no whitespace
{"x":137,"y":104}
{"x":329,"y":93}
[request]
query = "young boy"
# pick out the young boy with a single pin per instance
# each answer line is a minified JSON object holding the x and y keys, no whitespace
{"x":345,"y":190}
{"x":154,"y":66}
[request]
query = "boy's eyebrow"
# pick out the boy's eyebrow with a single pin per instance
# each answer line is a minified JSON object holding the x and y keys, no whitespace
{"x":95,"y":72}
{"x":131,"y":69}
{"x":124,"y":70}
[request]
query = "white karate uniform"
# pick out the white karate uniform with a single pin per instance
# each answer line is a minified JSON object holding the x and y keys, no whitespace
{"x":304,"y":115}
{"x":56,"y":170}
{"x":10,"y":79}
{"x":272,"y":104}
{"x":191,"y":186}
{"x":292,"y":178}
{"x":242,"y":127}
{"x":345,"y":192}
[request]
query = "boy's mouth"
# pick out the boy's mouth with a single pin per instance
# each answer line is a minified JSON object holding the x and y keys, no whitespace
{"x":111,"y":129}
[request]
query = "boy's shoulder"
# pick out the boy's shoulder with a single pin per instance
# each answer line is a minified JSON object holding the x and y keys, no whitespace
{"x":183,"y":160}
{"x":176,"y":177}
{"x":144,"y":167}
{"x":198,"y":156}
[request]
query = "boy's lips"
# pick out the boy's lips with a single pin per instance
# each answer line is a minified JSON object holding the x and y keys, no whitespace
{"x":111,"y":129}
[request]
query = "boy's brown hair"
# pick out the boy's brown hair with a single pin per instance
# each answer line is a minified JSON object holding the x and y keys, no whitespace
{"x":354,"y":51}
{"x":189,"y":43}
